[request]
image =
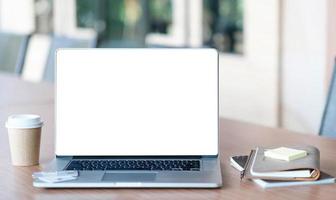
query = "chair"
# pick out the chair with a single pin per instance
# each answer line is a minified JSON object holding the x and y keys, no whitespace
{"x":328,"y":123}
{"x":64,"y":42}
{"x":12,"y":52}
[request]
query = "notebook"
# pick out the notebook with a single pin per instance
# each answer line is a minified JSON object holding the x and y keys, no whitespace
{"x":324,"y":179}
{"x":238,"y":162}
{"x":303,"y":169}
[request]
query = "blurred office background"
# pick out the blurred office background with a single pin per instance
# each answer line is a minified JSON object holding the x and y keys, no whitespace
{"x":275,"y":55}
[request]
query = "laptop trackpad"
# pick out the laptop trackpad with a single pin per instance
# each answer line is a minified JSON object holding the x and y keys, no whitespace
{"x":128,"y":177}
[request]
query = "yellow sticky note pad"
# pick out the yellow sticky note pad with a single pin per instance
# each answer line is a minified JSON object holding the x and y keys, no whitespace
{"x":284,"y":153}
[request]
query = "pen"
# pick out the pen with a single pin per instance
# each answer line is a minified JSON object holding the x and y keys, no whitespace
{"x":242,"y":173}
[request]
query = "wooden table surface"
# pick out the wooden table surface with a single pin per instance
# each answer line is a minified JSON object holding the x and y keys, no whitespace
{"x":236,"y":137}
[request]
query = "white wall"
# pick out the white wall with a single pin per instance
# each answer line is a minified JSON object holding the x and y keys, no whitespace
{"x":17,"y":16}
{"x":249,"y":83}
{"x":304,"y":63}
{"x":331,"y":38}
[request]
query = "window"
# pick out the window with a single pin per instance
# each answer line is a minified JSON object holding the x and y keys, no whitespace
{"x":124,"y":23}
{"x":164,"y":23}
{"x":160,"y":16}
{"x":223,"y":25}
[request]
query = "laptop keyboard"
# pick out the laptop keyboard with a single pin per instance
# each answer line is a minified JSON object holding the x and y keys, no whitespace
{"x":123,"y":164}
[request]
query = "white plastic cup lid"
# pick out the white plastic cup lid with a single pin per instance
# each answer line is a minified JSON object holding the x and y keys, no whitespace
{"x":24,"y":121}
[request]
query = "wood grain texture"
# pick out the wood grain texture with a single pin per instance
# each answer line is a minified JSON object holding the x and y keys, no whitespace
{"x":235,"y":138}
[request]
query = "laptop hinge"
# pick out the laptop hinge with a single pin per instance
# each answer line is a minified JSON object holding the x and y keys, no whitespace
{"x":137,"y":157}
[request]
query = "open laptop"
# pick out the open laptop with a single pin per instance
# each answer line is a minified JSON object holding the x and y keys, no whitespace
{"x":137,"y":118}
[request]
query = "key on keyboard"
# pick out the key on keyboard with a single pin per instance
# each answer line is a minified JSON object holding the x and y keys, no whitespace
{"x":123,"y":164}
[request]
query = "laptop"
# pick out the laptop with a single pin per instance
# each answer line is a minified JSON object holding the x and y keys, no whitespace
{"x":139,"y":118}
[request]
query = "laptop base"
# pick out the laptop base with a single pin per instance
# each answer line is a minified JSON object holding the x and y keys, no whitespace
{"x":209,"y":176}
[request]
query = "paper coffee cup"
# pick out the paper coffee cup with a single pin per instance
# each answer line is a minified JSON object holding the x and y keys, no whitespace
{"x":24,"y":133}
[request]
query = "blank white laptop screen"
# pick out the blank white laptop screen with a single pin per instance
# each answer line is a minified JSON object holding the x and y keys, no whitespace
{"x":136,"y":102}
